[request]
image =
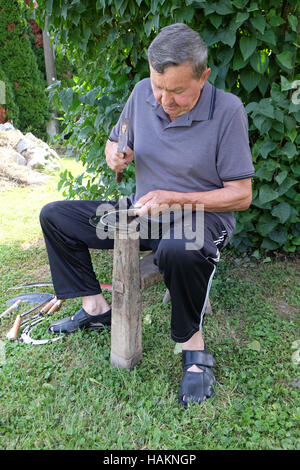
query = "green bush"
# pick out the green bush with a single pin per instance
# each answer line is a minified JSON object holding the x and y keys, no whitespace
{"x":9,"y":104}
{"x":253,"y":48}
{"x":20,"y":65}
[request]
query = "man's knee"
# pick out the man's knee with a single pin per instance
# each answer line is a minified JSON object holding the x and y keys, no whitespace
{"x":49,"y":212}
{"x":175,"y":252}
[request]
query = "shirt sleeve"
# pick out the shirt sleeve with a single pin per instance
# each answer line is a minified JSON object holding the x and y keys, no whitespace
{"x":234,"y":159}
{"x":126,"y":113}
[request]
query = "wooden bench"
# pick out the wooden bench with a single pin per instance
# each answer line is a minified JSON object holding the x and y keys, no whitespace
{"x":130,"y":275}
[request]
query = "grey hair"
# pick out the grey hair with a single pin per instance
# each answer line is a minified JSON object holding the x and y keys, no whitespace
{"x":175,"y":45}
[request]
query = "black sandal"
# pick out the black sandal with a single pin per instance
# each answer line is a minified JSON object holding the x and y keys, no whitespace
{"x":81,"y":320}
{"x":196,"y":386}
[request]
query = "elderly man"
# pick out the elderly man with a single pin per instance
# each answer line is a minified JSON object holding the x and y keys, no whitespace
{"x":190,"y":145}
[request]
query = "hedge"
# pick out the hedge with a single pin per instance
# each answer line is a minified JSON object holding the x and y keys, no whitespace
{"x":253,"y":48}
{"x":19,"y":63}
{"x":9,"y":109}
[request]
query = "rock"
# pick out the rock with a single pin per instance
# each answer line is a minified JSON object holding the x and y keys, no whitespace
{"x":296,"y":344}
{"x":54,"y":154}
{"x":38,"y":159}
{"x":13,"y":136}
{"x":30,"y":136}
{"x":254,"y":346}
{"x":21,"y":155}
{"x":4,"y":141}
{"x":19,"y":159}
{"x":23,"y":145}
{"x":7,"y":126}
{"x":9,"y":154}
{"x":296,"y":383}
{"x":296,"y":357}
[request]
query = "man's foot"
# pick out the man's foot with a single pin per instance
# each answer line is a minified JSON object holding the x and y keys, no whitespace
{"x":191,"y":382}
{"x":95,"y":304}
{"x":196,"y":385}
{"x":81,"y":320}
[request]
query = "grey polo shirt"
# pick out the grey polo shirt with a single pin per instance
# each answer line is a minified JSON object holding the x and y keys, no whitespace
{"x":192,"y":153}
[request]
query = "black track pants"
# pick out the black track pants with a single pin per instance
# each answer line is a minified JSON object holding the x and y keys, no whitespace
{"x":187,"y":273}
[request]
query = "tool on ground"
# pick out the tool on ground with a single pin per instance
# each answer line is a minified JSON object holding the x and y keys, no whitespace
{"x":11,"y":308}
{"x":13,"y":332}
{"x":47,"y":284}
{"x":122,"y":143}
{"x":25,"y":336}
{"x":45,"y":309}
{"x":32,"y":284}
{"x":31,"y":298}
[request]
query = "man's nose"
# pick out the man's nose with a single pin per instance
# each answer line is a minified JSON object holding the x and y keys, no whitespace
{"x":166,"y":98}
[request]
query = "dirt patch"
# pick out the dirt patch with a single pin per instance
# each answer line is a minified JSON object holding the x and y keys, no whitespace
{"x":41,"y":274}
{"x":285,"y":310}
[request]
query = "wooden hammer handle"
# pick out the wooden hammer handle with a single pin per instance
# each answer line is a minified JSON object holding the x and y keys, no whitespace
{"x":119,"y":176}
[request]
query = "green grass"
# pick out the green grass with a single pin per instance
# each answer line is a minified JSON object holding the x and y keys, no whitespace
{"x":66,"y":395}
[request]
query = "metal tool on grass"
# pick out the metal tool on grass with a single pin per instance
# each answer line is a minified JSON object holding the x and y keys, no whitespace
{"x":25,"y":336}
{"x":44,"y":310}
{"x":122,"y":143}
{"x":30,"y":298}
{"x":46,"y":284}
{"x":32,"y":284}
{"x":14,"y":331}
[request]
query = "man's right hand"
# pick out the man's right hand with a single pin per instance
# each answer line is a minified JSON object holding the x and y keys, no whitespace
{"x":116,"y":160}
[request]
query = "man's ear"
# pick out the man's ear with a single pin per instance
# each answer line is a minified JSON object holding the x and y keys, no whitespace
{"x":205,"y":75}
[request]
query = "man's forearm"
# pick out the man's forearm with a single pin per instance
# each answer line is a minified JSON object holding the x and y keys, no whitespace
{"x":217,"y":200}
{"x":234,"y":196}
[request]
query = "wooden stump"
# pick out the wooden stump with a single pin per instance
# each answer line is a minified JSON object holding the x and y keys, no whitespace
{"x":130,"y":276}
{"x":126,"y":328}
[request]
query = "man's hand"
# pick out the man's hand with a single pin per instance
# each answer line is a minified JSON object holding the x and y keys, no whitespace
{"x":116,"y":160}
{"x":154,"y":202}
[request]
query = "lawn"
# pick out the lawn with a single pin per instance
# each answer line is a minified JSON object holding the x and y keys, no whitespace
{"x":66,"y":395}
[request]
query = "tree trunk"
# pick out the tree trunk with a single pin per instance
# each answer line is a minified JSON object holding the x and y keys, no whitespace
{"x":52,"y":127}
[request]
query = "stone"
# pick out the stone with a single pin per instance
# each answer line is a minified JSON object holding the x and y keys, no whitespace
{"x":4,"y":141}
{"x":38,"y":159}
{"x":296,"y":383}
{"x":54,"y":154}
{"x":18,"y":151}
{"x":19,"y":159}
{"x":23,"y":145}
{"x":7,"y":126}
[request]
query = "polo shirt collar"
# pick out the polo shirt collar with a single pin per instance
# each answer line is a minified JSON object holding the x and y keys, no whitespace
{"x":200,"y":112}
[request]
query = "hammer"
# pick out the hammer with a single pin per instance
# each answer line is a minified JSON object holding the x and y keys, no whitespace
{"x":122,"y":144}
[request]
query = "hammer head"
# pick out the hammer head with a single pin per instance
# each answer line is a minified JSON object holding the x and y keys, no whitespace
{"x":123,"y":135}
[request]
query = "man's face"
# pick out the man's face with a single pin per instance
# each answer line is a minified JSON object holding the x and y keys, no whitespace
{"x":176,"y":90}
